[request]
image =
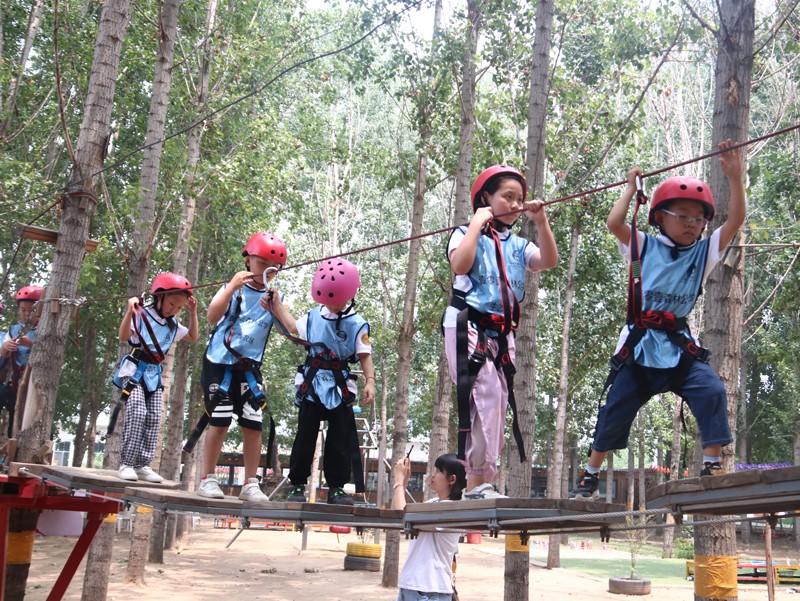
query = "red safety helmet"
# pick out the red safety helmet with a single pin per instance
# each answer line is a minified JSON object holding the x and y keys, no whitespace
{"x":167,"y":283}
{"x":335,"y":281}
{"x":266,"y":246}
{"x":681,"y":188}
{"x":30,"y":293}
{"x":480,"y":182}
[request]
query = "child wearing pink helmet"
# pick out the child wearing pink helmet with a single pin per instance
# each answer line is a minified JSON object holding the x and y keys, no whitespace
{"x":656,"y":351}
{"x":150,"y":330}
{"x":335,"y":335}
{"x":15,"y":349}
{"x":490,"y":265}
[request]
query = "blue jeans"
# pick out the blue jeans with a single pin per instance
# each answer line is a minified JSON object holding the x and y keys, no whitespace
{"x":702,"y":390}
{"x":409,"y":595}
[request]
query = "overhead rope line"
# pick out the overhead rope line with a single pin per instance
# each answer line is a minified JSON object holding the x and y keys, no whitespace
{"x":450,"y":228}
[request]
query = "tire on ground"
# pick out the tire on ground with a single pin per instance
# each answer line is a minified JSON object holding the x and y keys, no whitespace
{"x":362,"y":563}
{"x":364,"y":550}
{"x":627,"y":586}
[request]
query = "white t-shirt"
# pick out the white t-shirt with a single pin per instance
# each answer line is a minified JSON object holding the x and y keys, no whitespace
{"x":463,"y":283}
{"x":429,"y":562}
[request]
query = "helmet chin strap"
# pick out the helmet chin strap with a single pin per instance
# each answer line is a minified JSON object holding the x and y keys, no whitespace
{"x":343,"y":312}
{"x":676,"y":247}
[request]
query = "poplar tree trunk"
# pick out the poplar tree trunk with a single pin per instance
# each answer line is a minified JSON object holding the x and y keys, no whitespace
{"x":555,"y":473}
{"x":725,"y":286}
{"x":85,"y":423}
{"x":405,"y":339}
{"x":47,"y":355}
{"x":517,"y":557}
{"x":444,"y":384}
{"x":146,"y":230}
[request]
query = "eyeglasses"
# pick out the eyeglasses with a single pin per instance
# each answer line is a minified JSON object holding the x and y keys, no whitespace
{"x":686,"y":220}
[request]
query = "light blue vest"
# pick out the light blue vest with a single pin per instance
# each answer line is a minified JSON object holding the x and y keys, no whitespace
{"x":165,"y":331}
{"x":250,"y":330}
{"x":668,"y":285}
{"x":341,"y":342}
{"x":485,"y":275}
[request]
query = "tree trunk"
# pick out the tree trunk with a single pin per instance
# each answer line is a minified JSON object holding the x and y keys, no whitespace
{"x":444,"y":384}
{"x":609,"y":478}
{"x":674,"y":473}
{"x":146,"y":229}
{"x":404,"y":351}
{"x":724,"y":289}
{"x":554,"y":474}
{"x":517,"y":558}
{"x":85,"y":423}
{"x":78,"y":207}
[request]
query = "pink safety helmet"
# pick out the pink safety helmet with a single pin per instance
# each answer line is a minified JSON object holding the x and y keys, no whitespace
{"x":30,"y":293}
{"x":167,"y":283}
{"x":681,"y":188}
{"x":480,"y":182}
{"x":335,"y":281}
{"x":266,"y":246}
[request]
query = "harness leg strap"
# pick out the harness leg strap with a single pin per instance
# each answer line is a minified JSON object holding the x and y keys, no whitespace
{"x":467,"y":368}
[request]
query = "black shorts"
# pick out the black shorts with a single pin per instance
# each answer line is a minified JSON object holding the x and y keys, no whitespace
{"x":238,"y":399}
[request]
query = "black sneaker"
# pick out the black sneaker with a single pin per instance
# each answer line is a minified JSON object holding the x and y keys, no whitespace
{"x":712,"y":469}
{"x":297,"y":495}
{"x":337,"y":496}
{"x":586,"y":487}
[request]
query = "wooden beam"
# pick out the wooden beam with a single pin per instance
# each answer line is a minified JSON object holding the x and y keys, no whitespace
{"x":32,"y":232}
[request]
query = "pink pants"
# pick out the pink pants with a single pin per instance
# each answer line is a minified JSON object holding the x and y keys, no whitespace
{"x":487,"y":405}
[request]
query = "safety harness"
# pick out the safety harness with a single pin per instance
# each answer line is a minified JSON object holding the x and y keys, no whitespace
{"x":326,"y":359}
{"x":469,"y":365}
{"x":143,"y":356}
{"x":640,"y":321}
{"x":248,"y":367}
{"x":8,"y":391}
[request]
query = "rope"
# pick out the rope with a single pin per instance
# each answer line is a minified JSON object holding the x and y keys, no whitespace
{"x":450,"y":228}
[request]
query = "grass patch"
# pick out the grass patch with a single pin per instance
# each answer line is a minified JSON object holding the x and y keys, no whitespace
{"x":659,"y":571}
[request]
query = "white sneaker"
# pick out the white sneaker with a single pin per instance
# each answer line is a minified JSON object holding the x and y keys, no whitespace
{"x":482,"y":491}
{"x":252,"y":492}
{"x":147,"y":474}
{"x":209,"y":488}
{"x":126,"y":472}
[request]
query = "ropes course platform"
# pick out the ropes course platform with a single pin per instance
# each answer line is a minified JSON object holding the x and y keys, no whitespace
{"x":298,"y":513}
{"x":751,"y":491}
{"x":515,"y":515}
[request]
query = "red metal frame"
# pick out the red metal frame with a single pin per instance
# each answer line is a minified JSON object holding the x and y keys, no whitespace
{"x":32,"y":493}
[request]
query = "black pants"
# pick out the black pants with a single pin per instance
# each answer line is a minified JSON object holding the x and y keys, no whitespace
{"x":336,"y":455}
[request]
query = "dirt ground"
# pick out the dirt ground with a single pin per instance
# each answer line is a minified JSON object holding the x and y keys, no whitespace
{"x":269,"y":564}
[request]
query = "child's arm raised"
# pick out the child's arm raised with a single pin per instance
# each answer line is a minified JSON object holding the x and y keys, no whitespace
{"x":125,"y":331}
{"x":462,"y":257}
{"x":219,"y":304}
{"x":279,"y":310}
{"x":547,"y":255}
{"x":193,"y":334}
{"x":617,"y":218}
{"x":731,"y":163}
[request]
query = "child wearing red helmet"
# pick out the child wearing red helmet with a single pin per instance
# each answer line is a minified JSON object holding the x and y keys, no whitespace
{"x":656,"y":351}
{"x":15,"y":349}
{"x":490,"y":265}
{"x":335,"y":336}
{"x":150,"y":330}
{"x":231,"y":377}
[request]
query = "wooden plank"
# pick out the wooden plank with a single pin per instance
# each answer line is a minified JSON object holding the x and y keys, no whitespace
{"x":733,"y":480}
{"x":97,"y":479}
{"x":15,"y":467}
{"x":781,"y":474}
{"x":182,"y":499}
